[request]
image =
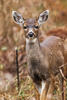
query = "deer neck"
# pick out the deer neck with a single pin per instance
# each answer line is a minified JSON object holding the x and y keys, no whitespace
{"x":36,"y":60}
{"x":33,"y":48}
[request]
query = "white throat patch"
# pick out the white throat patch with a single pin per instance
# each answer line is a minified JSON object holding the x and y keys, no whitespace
{"x":31,"y":41}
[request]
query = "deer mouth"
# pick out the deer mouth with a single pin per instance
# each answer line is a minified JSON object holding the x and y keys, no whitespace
{"x":31,"y":41}
{"x":31,"y":38}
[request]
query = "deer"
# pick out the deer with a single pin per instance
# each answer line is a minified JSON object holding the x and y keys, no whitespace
{"x":43,"y":59}
{"x":62,"y":33}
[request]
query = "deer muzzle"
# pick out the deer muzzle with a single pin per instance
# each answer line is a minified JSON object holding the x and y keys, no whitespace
{"x":31,"y":34}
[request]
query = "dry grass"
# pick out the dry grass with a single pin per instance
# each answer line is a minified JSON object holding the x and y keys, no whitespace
{"x":11,"y":35}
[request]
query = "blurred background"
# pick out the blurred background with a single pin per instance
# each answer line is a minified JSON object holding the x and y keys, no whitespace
{"x":11,"y":35}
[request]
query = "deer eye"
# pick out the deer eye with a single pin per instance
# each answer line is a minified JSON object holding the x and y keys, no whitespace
{"x":36,"y":27}
{"x":25,"y":27}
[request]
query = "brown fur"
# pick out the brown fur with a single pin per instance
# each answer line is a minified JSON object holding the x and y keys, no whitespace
{"x":44,"y":58}
{"x":62,"y":33}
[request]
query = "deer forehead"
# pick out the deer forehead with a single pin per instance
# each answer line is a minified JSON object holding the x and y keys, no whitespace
{"x":30,"y":21}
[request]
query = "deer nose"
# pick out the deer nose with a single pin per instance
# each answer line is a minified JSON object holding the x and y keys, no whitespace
{"x":30,"y":34}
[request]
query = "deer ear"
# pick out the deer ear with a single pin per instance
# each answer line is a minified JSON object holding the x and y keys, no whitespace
{"x":17,"y":18}
{"x":43,"y":17}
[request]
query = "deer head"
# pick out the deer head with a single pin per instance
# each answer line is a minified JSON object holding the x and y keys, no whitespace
{"x":31,"y":26}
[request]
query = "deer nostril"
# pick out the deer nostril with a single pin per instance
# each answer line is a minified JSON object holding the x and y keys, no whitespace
{"x":31,"y":34}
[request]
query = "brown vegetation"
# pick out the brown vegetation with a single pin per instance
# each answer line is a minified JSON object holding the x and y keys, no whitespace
{"x":11,"y":35}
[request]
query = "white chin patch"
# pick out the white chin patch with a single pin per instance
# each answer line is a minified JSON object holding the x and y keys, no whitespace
{"x":31,"y":41}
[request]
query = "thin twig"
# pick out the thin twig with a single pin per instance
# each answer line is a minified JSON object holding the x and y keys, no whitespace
{"x":60,"y":69}
{"x":17,"y":67}
{"x":64,"y":65}
{"x":62,"y":74}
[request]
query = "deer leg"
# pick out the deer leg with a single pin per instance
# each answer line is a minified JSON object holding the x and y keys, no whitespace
{"x":44,"y":90}
{"x":38,"y":91}
{"x":37,"y":95}
{"x":50,"y":91}
{"x":65,"y":93}
{"x":61,"y":86}
{"x":62,"y":89}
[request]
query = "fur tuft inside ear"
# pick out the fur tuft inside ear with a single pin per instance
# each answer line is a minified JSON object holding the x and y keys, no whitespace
{"x":43,"y":17}
{"x":17,"y":18}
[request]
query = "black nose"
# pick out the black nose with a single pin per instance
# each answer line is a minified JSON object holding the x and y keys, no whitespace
{"x":31,"y":34}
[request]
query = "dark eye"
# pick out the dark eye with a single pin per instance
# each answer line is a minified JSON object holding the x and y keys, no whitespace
{"x":36,"y":27}
{"x":25,"y":27}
